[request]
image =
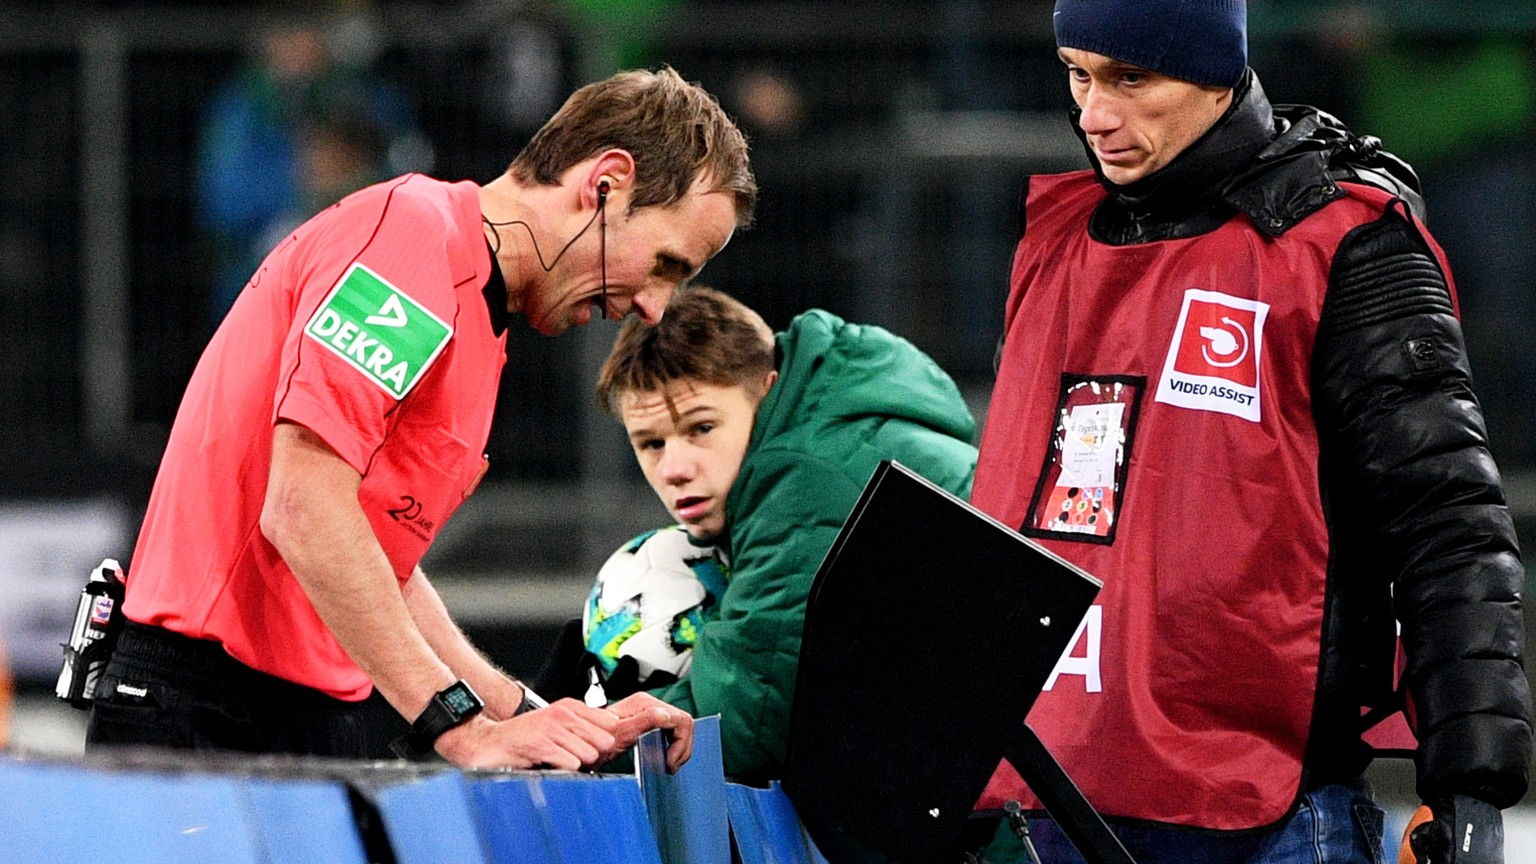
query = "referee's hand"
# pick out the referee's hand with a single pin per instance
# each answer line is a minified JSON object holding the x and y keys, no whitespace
{"x":567,"y":735}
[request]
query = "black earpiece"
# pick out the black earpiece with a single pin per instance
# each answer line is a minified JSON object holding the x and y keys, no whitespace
{"x":602,"y":192}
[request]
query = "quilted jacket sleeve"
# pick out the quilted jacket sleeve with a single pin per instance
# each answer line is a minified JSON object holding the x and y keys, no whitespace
{"x":1401,"y":429}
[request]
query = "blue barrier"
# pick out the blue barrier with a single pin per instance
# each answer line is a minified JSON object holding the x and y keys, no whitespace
{"x":688,"y":809}
{"x":53,"y":812}
{"x":303,"y":821}
{"x":186,"y":808}
{"x":430,"y":820}
{"x":767,"y":829}
{"x":563,"y":819}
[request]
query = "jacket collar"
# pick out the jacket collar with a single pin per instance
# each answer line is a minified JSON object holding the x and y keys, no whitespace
{"x":1276,"y":164}
{"x":495,"y":293}
{"x":1300,"y":170}
{"x":1193,"y":179}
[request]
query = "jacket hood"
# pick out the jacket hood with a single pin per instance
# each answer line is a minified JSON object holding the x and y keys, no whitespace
{"x":1311,"y":150}
{"x":831,"y":371}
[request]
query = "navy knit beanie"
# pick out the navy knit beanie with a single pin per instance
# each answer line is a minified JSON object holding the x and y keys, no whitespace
{"x":1204,"y":41}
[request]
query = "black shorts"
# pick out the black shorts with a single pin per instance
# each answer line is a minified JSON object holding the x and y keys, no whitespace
{"x":164,"y":689}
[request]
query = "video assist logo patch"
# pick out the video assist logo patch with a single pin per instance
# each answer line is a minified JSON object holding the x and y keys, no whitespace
{"x":1213,"y":360}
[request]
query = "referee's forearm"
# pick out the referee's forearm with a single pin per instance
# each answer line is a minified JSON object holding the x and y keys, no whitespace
{"x":311,"y":515}
{"x":502,"y":696}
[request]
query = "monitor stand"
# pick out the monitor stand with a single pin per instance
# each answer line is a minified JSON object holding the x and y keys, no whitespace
{"x":1064,"y":801}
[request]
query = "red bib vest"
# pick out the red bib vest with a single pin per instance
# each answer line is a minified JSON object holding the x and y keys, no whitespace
{"x":1152,"y":424}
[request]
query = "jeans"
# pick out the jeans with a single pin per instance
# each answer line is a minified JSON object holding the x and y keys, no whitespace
{"x":1338,"y":824}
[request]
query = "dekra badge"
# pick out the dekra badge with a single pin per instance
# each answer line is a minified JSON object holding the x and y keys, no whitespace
{"x":379,"y":330}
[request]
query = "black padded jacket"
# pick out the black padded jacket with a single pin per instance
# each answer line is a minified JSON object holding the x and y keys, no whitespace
{"x":1418,"y":528}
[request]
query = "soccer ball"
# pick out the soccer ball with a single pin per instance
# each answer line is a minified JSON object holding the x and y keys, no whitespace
{"x":650,"y":598}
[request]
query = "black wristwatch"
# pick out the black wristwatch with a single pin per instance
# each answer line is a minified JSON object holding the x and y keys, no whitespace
{"x":450,"y":707}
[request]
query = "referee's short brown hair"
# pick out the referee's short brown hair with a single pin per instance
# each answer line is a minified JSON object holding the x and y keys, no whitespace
{"x":676,"y":132}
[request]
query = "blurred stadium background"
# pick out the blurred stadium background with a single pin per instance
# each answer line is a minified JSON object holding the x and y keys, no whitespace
{"x":890,"y":139}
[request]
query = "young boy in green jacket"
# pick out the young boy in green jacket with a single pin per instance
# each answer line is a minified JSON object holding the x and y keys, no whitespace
{"x":760,"y":443}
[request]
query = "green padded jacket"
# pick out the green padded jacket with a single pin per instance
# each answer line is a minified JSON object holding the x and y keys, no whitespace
{"x":847,"y":396}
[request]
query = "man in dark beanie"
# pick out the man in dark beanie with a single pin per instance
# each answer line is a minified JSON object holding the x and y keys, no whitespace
{"x":1233,"y":386}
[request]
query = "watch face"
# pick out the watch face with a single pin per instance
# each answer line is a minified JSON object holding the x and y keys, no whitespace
{"x":460,"y":699}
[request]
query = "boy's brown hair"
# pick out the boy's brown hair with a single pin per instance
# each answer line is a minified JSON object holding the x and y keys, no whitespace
{"x":706,"y":336}
{"x":675,"y":130}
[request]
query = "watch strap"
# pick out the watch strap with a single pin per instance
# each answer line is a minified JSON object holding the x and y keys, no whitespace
{"x":531,"y":700}
{"x":448,"y":708}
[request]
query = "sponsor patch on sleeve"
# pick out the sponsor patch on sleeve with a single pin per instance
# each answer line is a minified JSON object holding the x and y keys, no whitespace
{"x":378,"y":330}
{"x":1213,"y":362}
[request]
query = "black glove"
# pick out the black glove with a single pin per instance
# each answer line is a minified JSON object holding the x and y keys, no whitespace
{"x":1462,"y":830}
{"x":565,"y":670}
{"x":625,"y":679}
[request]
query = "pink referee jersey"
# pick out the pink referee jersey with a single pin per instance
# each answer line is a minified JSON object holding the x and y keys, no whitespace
{"x":367,"y":325}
